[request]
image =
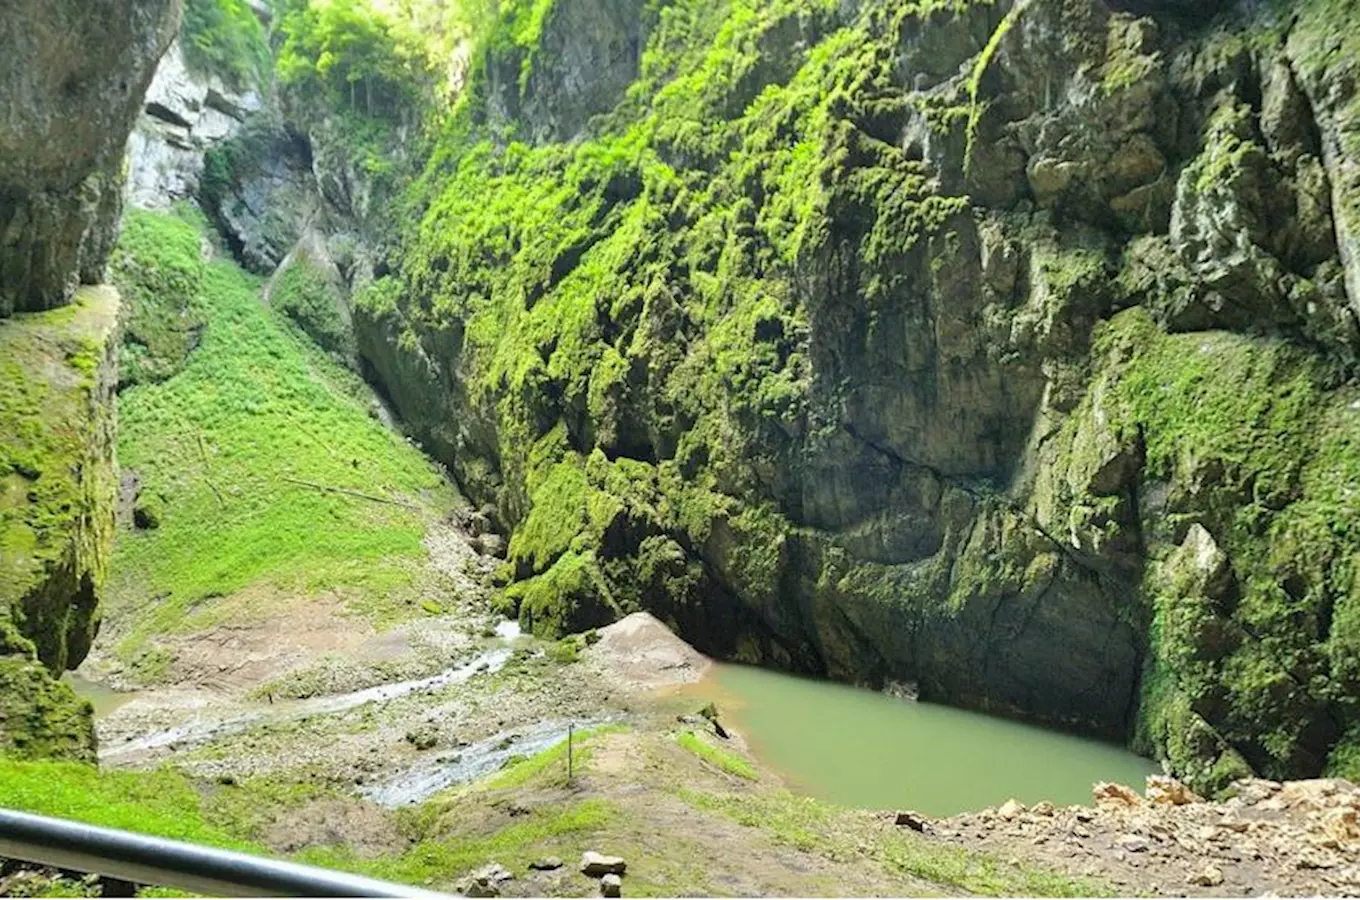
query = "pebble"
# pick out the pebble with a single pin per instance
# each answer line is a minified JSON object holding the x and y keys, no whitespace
{"x":546,"y":864}
{"x":1133,"y":843}
{"x":611,"y":886}
{"x":1209,"y":876}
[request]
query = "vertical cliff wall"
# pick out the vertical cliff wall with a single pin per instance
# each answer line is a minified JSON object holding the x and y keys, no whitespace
{"x":1003,"y":347}
{"x":72,"y":75}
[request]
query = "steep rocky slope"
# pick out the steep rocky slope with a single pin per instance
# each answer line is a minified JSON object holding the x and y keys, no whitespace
{"x":1002,"y":347}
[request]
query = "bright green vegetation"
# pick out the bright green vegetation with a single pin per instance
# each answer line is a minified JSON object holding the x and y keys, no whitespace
{"x":725,"y":760}
{"x":56,"y":508}
{"x":225,"y":38}
{"x":303,"y":293}
{"x":1253,"y":625}
{"x":158,"y":268}
{"x":548,"y":768}
{"x":434,"y":859}
{"x":244,"y":456}
{"x":166,"y":804}
{"x":40,"y":717}
{"x":864,"y":749}
{"x":352,"y":55}
{"x":161,"y":803}
{"x":566,"y":270}
{"x":813,"y":826}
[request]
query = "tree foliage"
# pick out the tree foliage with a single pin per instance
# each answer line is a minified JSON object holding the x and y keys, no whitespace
{"x":224,"y":38}
{"x":355,"y":55}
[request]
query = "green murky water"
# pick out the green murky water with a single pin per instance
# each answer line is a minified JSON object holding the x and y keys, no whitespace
{"x":868,"y":750}
{"x":103,"y":698}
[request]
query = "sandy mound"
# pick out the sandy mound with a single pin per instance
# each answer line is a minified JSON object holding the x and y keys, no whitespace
{"x":640,"y":652}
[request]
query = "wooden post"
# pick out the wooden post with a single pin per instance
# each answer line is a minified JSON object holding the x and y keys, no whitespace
{"x":570,"y":728}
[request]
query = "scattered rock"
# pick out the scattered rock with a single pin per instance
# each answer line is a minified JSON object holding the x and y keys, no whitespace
{"x":424,"y":738}
{"x":1168,"y":791}
{"x":912,"y":820}
{"x":597,"y":864}
{"x":546,"y":864}
{"x":1043,"y":808}
{"x":1010,"y":809}
{"x":1209,"y":876}
{"x":485,"y":882}
{"x":1115,"y":796}
{"x":611,"y":886}
{"x":1133,"y":843}
{"x":1253,"y":790}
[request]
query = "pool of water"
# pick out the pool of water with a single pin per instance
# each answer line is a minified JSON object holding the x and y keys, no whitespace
{"x":103,"y":698}
{"x":869,"y":750}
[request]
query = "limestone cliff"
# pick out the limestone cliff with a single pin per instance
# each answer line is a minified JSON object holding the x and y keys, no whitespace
{"x":72,"y":76}
{"x":1003,"y":347}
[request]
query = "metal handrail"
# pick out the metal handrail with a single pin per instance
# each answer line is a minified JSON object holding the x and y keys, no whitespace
{"x":143,"y":859}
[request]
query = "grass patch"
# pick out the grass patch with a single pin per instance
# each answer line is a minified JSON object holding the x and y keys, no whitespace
{"x":245,"y":453}
{"x":549,"y":767}
{"x":816,"y":827}
{"x":440,"y":860}
{"x":162,"y":802}
{"x":726,"y":760}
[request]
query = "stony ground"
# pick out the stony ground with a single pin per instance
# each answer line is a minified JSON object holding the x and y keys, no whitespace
{"x":1294,"y":839}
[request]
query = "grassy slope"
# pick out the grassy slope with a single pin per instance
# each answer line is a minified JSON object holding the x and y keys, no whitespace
{"x":215,"y":445}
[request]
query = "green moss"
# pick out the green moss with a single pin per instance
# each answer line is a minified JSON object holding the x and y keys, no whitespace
{"x":56,"y":476}
{"x":437,"y":859}
{"x":302,"y":292}
{"x":1252,"y":443}
{"x":40,"y":717}
{"x":158,"y":268}
{"x":548,"y":768}
{"x":718,"y":757}
{"x":569,"y":597}
{"x":979,"y":71}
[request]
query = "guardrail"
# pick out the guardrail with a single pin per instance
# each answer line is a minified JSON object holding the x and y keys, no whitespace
{"x":143,"y":859}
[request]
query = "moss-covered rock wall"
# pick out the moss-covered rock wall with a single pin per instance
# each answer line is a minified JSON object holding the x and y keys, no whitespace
{"x":57,"y":489}
{"x":1003,"y":347}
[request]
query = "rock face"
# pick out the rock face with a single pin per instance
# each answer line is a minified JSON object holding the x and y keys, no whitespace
{"x":994,"y":349}
{"x":57,"y":488}
{"x":73,"y":76}
{"x":183,"y":116}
